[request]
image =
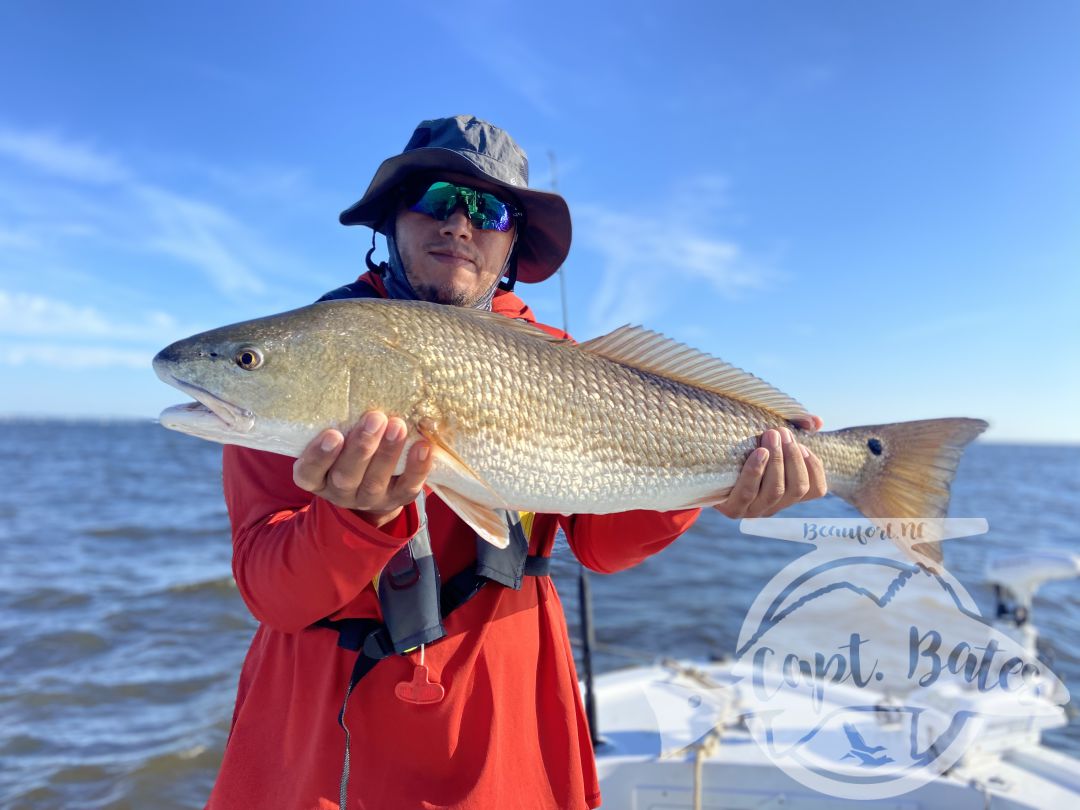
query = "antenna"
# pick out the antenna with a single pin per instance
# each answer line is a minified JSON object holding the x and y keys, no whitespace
{"x":561,"y":274}
{"x":585,"y":607}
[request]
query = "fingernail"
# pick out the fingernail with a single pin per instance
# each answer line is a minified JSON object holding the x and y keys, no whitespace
{"x":772,"y":439}
{"x":423,"y":452}
{"x":372,"y":422}
{"x":395,"y":431}
{"x":805,"y":452}
{"x":330,"y":442}
{"x":761,"y":455}
{"x":785,"y":436}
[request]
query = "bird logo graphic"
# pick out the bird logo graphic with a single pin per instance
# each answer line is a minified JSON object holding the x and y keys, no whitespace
{"x":863,"y":752}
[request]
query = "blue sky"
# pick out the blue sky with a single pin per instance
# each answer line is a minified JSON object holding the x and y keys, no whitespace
{"x":874,"y":206}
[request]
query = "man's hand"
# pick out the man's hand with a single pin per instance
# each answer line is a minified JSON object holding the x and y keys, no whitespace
{"x":357,"y":471}
{"x":776,"y":475}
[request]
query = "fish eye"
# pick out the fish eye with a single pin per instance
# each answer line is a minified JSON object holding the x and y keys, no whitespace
{"x":249,"y":358}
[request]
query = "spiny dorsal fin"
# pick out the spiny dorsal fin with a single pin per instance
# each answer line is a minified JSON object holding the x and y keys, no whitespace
{"x":649,"y":351}
{"x":494,"y":319}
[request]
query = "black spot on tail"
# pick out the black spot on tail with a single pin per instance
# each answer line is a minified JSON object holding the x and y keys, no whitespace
{"x":875,"y":446}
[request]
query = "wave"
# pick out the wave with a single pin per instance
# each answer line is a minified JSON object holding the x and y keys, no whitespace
{"x":221,"y":585}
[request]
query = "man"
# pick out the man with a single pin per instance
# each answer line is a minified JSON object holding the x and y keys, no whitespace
{"x":447,"y":659}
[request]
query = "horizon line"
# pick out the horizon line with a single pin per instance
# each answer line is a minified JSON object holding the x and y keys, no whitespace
{"x":7,"y":418}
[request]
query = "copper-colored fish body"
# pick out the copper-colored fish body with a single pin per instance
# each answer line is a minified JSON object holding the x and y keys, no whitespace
{"x":522,"y":421}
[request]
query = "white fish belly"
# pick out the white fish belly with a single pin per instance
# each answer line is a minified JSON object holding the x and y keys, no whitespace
{"x":547,"y":482}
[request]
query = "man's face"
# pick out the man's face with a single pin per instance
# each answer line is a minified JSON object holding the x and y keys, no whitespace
{"x":450,"y":261}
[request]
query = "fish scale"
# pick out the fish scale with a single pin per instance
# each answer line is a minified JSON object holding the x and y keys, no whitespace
{"x":598,"y":468}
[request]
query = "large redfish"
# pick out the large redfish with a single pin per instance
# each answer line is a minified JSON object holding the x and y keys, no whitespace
{"x":522,"y":421}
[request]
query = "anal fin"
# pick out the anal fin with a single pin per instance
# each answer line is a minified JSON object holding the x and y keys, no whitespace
{"x":711,"y":499}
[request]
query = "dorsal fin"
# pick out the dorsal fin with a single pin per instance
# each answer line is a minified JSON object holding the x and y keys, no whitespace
{"x":497,"y":320}
{"x":649,"y":351}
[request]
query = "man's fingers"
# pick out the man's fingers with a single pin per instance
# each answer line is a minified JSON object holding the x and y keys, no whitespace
{"x":380,"y":469}
{"x":310,"y":469}
{"x":746,"y":486}
{"x":809,"y":423}
{"x":796,"y":476}
{"x":772,"y":484}
{"x":417,"y":468}
{"x":815,"y":470}
{"x":779,"y":473}
{"x":360,"y":446}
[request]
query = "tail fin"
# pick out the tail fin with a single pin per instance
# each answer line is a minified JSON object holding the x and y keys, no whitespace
{"x":919,"y":461}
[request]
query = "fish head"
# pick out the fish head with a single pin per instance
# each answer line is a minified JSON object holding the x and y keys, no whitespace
{"x":274,"y":383}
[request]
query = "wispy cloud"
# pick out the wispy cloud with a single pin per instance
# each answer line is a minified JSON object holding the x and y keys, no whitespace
{"x":91,"y":195}
{"x":203,"y":235}
{"x":30,"y":315}
{"x":270,"y":184}
{"x":650,"y":258}
{"x":59,"y":356}
{"x":533,"y":76}
{"x":55,"y":155}
{"x":943,"y":324}
{"x":10,"y":238}
{"x":75,"y":222}
{"x":45,"y":332}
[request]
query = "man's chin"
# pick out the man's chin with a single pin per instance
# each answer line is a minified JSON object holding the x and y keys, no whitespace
{"x":448,"y":294}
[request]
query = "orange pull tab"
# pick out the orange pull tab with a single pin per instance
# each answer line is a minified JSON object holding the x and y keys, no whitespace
{"x":420,"y":689}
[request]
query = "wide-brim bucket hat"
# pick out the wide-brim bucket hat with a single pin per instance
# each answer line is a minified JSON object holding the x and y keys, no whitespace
{"x":469,"y":146}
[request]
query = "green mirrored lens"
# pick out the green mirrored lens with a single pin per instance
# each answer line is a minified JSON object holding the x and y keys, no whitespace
{"x":484,"y":210}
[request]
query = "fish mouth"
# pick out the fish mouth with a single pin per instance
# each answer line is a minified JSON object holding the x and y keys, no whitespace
{"x":233,"y":417}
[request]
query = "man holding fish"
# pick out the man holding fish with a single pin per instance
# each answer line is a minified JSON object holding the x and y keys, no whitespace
{"x":438,"y":620}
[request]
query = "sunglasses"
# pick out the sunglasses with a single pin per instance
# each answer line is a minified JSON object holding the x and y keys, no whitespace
{"x":485,"y":211}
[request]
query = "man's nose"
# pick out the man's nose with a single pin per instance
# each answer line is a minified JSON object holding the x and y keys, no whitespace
{"x":457,"y":225}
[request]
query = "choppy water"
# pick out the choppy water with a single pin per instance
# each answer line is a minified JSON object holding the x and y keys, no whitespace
{"x":122,"y":635}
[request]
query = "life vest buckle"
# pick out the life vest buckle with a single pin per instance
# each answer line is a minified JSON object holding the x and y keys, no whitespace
{"x":378,"y":645}
{"x":402,"y":571}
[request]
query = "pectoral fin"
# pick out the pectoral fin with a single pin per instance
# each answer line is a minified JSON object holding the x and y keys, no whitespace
{"x":486,"y":522}
{"x":445,"y":455}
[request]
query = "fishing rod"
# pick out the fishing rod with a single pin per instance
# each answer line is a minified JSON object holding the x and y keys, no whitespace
{"x":585,"y":607}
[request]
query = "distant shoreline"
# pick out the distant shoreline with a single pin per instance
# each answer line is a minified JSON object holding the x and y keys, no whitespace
{"x":8,"y":419}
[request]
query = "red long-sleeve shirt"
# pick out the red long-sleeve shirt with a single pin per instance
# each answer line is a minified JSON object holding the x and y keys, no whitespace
{"x":510,"y":731}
